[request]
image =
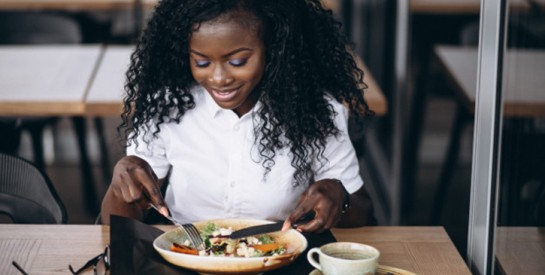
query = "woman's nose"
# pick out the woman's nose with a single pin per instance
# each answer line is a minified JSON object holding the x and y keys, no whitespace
{"x":220,"y":76}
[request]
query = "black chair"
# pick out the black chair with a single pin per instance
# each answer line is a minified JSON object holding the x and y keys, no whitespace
{"x":27,"y":194}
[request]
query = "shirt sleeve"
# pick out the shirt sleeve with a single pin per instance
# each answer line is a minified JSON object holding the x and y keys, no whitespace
{"x":152,"y":150}
{"x":342,"y":162}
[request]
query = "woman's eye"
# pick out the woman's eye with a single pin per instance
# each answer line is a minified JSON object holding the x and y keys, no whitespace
{"x":202,"y":63}
{"x":238,"y":62}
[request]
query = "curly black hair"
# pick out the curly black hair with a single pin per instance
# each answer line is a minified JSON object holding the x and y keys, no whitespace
{"x":307,"y":55}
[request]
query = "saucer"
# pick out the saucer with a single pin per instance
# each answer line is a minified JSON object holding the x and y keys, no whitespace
{"x":381,"y":270}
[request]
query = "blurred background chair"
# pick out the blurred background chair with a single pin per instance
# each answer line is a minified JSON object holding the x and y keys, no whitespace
{"x":38,"y":28}
{"x":27,"y":194}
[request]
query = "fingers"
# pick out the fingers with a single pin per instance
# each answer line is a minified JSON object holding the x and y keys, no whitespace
{"x":309,"y":218}
{"x":164,"y":211}
{"x":135,"y":183}
{"x":286,"y":225}
{"x":299,"y":216}
{"x":324,"y":219}
{"x":144,"y":177}
{"x":324,"y":198}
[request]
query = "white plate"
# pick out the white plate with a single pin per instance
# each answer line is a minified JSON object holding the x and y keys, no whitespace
{"x":381,"y":270}
{"x":292,"y":240}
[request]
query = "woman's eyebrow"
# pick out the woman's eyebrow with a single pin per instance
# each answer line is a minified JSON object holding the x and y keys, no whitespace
{"x":227,"y":55}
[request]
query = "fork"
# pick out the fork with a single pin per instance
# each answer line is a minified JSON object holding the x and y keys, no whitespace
{"x":190,"y":229}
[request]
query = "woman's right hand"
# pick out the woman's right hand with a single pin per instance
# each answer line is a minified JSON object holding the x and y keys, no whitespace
{"x":134,"y":186}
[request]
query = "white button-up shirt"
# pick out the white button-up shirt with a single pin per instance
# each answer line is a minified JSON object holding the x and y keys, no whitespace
{"x":217,"y":171}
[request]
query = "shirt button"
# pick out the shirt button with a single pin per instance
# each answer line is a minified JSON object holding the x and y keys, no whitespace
{"x":232,"y":184}
{"x":236,"y":128}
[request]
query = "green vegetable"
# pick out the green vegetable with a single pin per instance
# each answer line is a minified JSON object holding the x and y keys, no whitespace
{"x":265,"y":239}
{"x":208,"y":230}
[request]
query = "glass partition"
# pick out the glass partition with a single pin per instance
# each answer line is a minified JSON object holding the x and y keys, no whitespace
{"x":520,"y":233}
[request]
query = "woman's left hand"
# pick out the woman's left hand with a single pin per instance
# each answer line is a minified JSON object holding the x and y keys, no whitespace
{"x":326,"y":198}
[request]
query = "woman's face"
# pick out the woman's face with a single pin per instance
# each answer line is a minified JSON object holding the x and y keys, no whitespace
{"x":228,"y":59}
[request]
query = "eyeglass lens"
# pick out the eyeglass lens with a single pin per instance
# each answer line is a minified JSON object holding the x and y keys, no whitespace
{"x":100,"y":263}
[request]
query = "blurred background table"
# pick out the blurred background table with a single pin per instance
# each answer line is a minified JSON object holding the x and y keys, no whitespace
{"x":72,"y":5}
{"x":523,"y":96}
{"x":50,"y":249}
{"x":137,"y":8}
{"x":520,"y":250}
{"x":462,"y":6}
{"x":105,"y":95}
{"x":45,"y":80}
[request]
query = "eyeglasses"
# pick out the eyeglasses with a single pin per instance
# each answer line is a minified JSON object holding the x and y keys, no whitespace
{"x":100,"y":263}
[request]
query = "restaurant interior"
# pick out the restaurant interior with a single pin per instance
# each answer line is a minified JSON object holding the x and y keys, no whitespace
{"x":457,"y":140}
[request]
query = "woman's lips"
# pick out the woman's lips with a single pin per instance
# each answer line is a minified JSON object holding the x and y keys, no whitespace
{"x":225,"y":95}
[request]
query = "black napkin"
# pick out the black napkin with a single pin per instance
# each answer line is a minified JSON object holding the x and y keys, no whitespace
{"x":132,"y":252}
{"x":301,"y":266}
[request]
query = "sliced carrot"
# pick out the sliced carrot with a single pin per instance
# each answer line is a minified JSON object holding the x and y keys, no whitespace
{"x":176,"y":247}
{"x":266,"y":247}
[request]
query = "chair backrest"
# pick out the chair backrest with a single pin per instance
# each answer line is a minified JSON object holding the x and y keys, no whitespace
{"x":38,"y":28}
{"x":27,"y":194}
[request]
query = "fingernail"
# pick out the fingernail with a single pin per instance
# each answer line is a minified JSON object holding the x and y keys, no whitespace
{"x":164,"y":211}
{"x":286,"y":226}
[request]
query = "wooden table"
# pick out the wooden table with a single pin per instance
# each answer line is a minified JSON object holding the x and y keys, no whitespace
{"x":520,"y":250}
{"x":72,"y":5}
{"x":88,"y":5}
{"x":423,"y":250}
{"x":461,"y":6}
{"x":42,"y":249}
{"x":106,"y":92}
{"x":524,"y":94}
{"x":45,"y":80}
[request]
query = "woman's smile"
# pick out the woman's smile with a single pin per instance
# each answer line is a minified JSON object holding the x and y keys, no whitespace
{"x":224,"y":94}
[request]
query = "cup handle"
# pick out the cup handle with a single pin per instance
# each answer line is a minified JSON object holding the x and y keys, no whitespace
{"x":310,"y":258}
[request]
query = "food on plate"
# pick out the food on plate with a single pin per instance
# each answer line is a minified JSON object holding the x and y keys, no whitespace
{"x":176,"y":247}
{"x":217,"y":243}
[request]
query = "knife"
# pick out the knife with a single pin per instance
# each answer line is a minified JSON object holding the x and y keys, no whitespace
{"x":269,"y":227}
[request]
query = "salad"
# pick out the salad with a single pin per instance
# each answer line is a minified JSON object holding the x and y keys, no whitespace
{"x":218,"y":243}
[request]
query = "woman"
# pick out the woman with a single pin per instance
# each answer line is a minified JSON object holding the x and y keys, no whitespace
{"x":240,"y":101}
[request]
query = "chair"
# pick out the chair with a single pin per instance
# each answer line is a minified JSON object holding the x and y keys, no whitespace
{"x":38,"y":28}
{"x":27,"y":194}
